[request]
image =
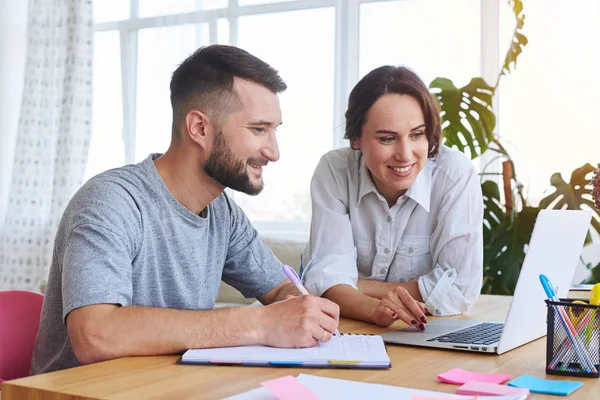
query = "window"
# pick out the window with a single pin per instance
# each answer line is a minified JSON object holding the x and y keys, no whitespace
{"x":435,"y":38}
{"x":549,"y":103}
{"x":305,"y":60}
{"x":320,"y":47}
{"x":160,"y":51}
{"x":106,"y":143}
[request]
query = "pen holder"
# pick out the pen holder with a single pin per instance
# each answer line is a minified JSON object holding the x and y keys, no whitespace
{"x":563,"y":356}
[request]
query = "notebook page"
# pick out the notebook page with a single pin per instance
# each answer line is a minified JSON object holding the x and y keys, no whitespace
{"x":346,"y":347}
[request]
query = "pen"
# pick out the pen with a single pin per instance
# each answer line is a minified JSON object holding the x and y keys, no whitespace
{"x":291,"y":273}
{"x":566,"y":322}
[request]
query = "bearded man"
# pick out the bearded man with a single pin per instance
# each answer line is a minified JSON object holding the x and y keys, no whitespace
{"x":141,"y":249}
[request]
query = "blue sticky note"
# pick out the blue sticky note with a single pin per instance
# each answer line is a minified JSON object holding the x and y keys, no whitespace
{"x":539,"y":385}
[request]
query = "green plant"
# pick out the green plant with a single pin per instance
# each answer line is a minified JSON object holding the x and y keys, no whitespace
{"x":469,"y":122}
{"x":595,"y":271}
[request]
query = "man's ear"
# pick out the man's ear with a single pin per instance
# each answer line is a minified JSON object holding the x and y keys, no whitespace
{"x":198,"y":127}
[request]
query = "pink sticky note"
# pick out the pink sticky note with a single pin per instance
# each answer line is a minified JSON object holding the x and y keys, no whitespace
{"x":417,"y":397}
{"x":489,"y":389}
{"x":289,"y":388}
{"x":459,"y":376}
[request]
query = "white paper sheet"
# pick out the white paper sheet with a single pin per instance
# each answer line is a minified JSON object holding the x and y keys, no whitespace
{"x":334,"y":389}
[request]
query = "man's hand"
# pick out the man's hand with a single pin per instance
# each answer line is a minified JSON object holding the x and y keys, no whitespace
{"x":399,"y":304}
{"x":299,"y":322}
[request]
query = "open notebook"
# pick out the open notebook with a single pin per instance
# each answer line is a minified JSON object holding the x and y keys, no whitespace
{"x":344,"y":351}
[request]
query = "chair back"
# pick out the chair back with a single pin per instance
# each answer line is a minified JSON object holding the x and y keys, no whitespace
{"x":19,"y":322}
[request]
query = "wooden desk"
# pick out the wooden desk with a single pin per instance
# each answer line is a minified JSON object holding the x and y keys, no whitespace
{"x":161,"y":378}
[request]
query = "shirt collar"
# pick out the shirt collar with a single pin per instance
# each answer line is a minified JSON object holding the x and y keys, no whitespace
{"x":420,"y":191}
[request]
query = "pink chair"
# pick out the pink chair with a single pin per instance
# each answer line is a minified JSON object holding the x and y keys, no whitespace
{"x":19,"y":321}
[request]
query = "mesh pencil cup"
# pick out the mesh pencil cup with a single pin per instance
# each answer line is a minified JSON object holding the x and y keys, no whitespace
{"x":573,"y":342}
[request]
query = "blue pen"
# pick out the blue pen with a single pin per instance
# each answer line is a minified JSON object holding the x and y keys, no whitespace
{"x":291,"y":273}
{"x":566,"y":322}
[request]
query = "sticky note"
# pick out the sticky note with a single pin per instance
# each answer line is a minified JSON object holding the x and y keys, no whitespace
{"x":539,"y":385}
{"x":289,"y":388}
{"x":459,"y":376}
{"x":474,"y":388}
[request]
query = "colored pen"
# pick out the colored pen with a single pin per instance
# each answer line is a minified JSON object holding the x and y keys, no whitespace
{"x":291,"y":273}
{"x":566,"y":322}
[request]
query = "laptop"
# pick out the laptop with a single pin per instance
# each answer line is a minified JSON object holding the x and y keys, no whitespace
{"x":554,"y":249}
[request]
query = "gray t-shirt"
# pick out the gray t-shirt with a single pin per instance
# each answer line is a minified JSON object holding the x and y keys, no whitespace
{"x":124,"y":239}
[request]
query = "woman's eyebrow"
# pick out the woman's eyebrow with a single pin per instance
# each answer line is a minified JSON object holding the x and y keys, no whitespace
{"x":388,"y":132}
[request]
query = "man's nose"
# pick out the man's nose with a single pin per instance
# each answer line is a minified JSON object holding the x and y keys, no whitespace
{"x":271,"y":150}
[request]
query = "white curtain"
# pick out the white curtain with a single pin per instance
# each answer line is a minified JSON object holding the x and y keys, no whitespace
{"x":13,"y":25}
{"x":52,"y":137}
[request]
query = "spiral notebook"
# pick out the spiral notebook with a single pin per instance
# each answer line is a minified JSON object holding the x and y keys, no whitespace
{"x":343,"y":351}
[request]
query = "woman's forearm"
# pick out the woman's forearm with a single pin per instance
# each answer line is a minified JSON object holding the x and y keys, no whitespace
{"x":378,"y":289}
{"x":353,"y":304}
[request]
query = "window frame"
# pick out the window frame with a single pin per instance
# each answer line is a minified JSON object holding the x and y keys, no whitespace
{"x":346,"y":64}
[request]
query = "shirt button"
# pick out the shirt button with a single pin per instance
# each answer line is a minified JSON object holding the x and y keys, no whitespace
{"x":450,"y":274}
{"x":386,"y":251}
{"x":410,"y":250}
{"x":382,"y":271}
{"x":389,"y":219}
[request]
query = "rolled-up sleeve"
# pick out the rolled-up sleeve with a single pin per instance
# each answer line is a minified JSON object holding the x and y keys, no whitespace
{"x":457,"y":245}
{"x":329,"y":258}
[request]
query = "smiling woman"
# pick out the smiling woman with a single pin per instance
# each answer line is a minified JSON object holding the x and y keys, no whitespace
{"x":396,"y":223}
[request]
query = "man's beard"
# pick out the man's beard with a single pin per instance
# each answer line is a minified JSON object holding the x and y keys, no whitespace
{"x":225,"y":168}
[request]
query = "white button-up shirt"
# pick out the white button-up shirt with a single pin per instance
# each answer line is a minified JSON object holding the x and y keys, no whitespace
{"x":433,"y":234}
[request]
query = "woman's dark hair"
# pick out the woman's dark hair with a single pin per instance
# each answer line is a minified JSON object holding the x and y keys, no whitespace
{"x":204,"y":81}
{"x":390,"y":80}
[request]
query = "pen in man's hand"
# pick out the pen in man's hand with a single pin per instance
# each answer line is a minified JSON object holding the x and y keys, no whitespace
{"x":291,"y":273}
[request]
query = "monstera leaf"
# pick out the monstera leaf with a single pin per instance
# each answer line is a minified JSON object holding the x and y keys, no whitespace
{"x":571,"y":195}
{"x":467,"y":116}
{"x":504,"y":251}
{"x":493,"y":210}
{"x":518,"y":41}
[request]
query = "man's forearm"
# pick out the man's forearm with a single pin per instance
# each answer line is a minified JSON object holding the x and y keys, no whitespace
{"x":353,"y":303}
{"x":137,"y":331}
{"x":378,"y":289}
{"x":289,"y":289}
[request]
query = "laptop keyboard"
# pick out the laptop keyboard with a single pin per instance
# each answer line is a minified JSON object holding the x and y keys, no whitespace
{"x":484,"y":333}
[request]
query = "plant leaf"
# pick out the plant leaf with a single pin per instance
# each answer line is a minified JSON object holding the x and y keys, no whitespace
{"x":594,"y":275}
{"x":493,"y":210}
{"x":518,"y":41}
{"x":504,"y":252}
{"x":467,"y":116}
{"x":573,"y":195}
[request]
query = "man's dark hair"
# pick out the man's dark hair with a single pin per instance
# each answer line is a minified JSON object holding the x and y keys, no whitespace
{"x":204,"y":81}
{"x":390,"y":80}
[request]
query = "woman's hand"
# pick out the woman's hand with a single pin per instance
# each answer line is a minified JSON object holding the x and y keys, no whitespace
{"x":399,"y":304}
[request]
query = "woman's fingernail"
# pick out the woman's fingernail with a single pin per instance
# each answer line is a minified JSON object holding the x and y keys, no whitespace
{"x":422,"y":327}
{"x":423,"y":320}
{"x":413,"y":322}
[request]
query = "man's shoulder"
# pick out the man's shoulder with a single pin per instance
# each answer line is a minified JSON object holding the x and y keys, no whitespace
{"x":112,"y":195}
{"x":113,"y":185}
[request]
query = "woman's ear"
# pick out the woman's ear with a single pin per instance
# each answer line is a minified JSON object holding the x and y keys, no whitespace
{"x":355,"y":144}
